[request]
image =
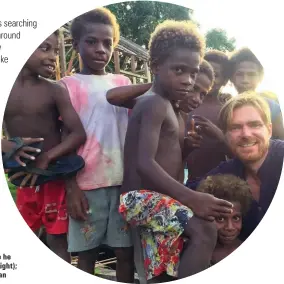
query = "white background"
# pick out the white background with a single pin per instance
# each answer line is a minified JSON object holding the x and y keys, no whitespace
{"x":259,"y":259}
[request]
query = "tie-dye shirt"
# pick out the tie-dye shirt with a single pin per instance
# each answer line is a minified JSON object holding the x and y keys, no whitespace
{"x":105,"y":126}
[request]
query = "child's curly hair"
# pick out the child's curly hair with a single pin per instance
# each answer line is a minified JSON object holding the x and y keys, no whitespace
{"x":97,"y":16}
{"x":207,"y":69}
{"x":228,"y":187}
{"x":174,"y":34}
{"x":221,"y":58}
{"x":241,"y":55}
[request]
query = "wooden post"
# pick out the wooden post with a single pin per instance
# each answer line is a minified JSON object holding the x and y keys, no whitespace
{"x":116,"y":62}
{"x":70,"y":63}
{"x":80,"y":62}
{"x":62,"y":54}
{"x":147,"y":71}
{"x":57,"y":69}
{"x":133,"y":68}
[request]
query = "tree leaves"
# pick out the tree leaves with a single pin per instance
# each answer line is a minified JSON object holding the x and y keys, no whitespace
{"x":218,"y":39}
{"x":138,"y":19}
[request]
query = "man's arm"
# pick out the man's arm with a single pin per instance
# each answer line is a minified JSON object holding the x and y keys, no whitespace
{"x":125,"y":96}
{"x":76,"y":133}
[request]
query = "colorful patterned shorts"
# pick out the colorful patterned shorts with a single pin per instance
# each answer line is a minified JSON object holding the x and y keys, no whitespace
{"x":161,"y":220}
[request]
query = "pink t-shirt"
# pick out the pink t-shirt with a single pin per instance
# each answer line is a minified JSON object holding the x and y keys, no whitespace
{"x":105,"y":126}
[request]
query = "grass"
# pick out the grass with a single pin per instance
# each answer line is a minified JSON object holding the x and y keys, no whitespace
{"x":12,"y":189}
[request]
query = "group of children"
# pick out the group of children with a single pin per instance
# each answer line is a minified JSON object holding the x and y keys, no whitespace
{"x":134,"y":164}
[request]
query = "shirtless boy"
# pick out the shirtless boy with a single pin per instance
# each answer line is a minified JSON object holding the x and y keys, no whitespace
{"x":153,"y":159}
{"x":127,"y":96}
{"x":33,"y":110}
{"x":210,"y":148}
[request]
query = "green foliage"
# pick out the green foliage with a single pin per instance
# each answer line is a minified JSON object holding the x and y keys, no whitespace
{"x":138,"y":19}
{"x":12,"y":189}
{"x":218,"y":39}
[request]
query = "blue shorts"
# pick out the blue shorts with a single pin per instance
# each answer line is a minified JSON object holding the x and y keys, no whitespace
{"x":105,"y":225}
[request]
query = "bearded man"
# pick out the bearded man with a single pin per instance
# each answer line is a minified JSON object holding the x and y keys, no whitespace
{"x":246,"y":124}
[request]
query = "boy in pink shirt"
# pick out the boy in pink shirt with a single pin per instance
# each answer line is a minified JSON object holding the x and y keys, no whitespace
{"x":93,"y":197}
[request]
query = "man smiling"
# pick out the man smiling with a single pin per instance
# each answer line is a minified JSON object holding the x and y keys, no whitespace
{"x":246,"y":123}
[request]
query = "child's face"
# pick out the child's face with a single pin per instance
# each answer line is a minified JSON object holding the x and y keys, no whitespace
{"x":196,"y":96}
{"x":176,"y":75}
{"x":219,"y":77}
{"x":246,"y":76}
{"x":229,"y":226}
{"x":95,"y":48}
{"x":43,"y":61}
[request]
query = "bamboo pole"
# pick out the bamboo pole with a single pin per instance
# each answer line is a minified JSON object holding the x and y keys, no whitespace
{"x":62,"y":54}
{"x":80,"y":62}
{"x":116,"y":62}
{"x":133,"y":68}
{"x":147,"y":71}
{"x":57,"y":69}
{"x":101,"y":263}
{"x":70,"y":63}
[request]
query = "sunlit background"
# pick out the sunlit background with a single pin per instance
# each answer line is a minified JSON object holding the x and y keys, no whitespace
{"x":253,"y":24}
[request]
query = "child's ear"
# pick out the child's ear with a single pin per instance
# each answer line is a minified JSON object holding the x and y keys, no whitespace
{"x":75,"y":45}
{"x":154,"y":69}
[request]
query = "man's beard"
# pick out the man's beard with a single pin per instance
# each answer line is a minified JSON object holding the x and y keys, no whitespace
{"x":255,"y":156}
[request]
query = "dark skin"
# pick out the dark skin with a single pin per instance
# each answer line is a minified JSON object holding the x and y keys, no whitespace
{"x":96,"y":47}
{"x":24,"y":152}
{"x":33,"y":109}
{"x":229,"y":227}
{"x":247,"y":76}
{"x":222,"y":251}
{"x":212,"y":147}
{"x":153,"y":155}
{"x":192,"y":139}
{"x":127,"y":96}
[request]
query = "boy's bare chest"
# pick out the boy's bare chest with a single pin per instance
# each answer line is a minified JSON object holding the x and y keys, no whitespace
{"x":27,"y":102}
{"x":174,"y":129}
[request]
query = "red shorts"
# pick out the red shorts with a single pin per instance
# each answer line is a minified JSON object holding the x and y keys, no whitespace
{"x":45,"y":207}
